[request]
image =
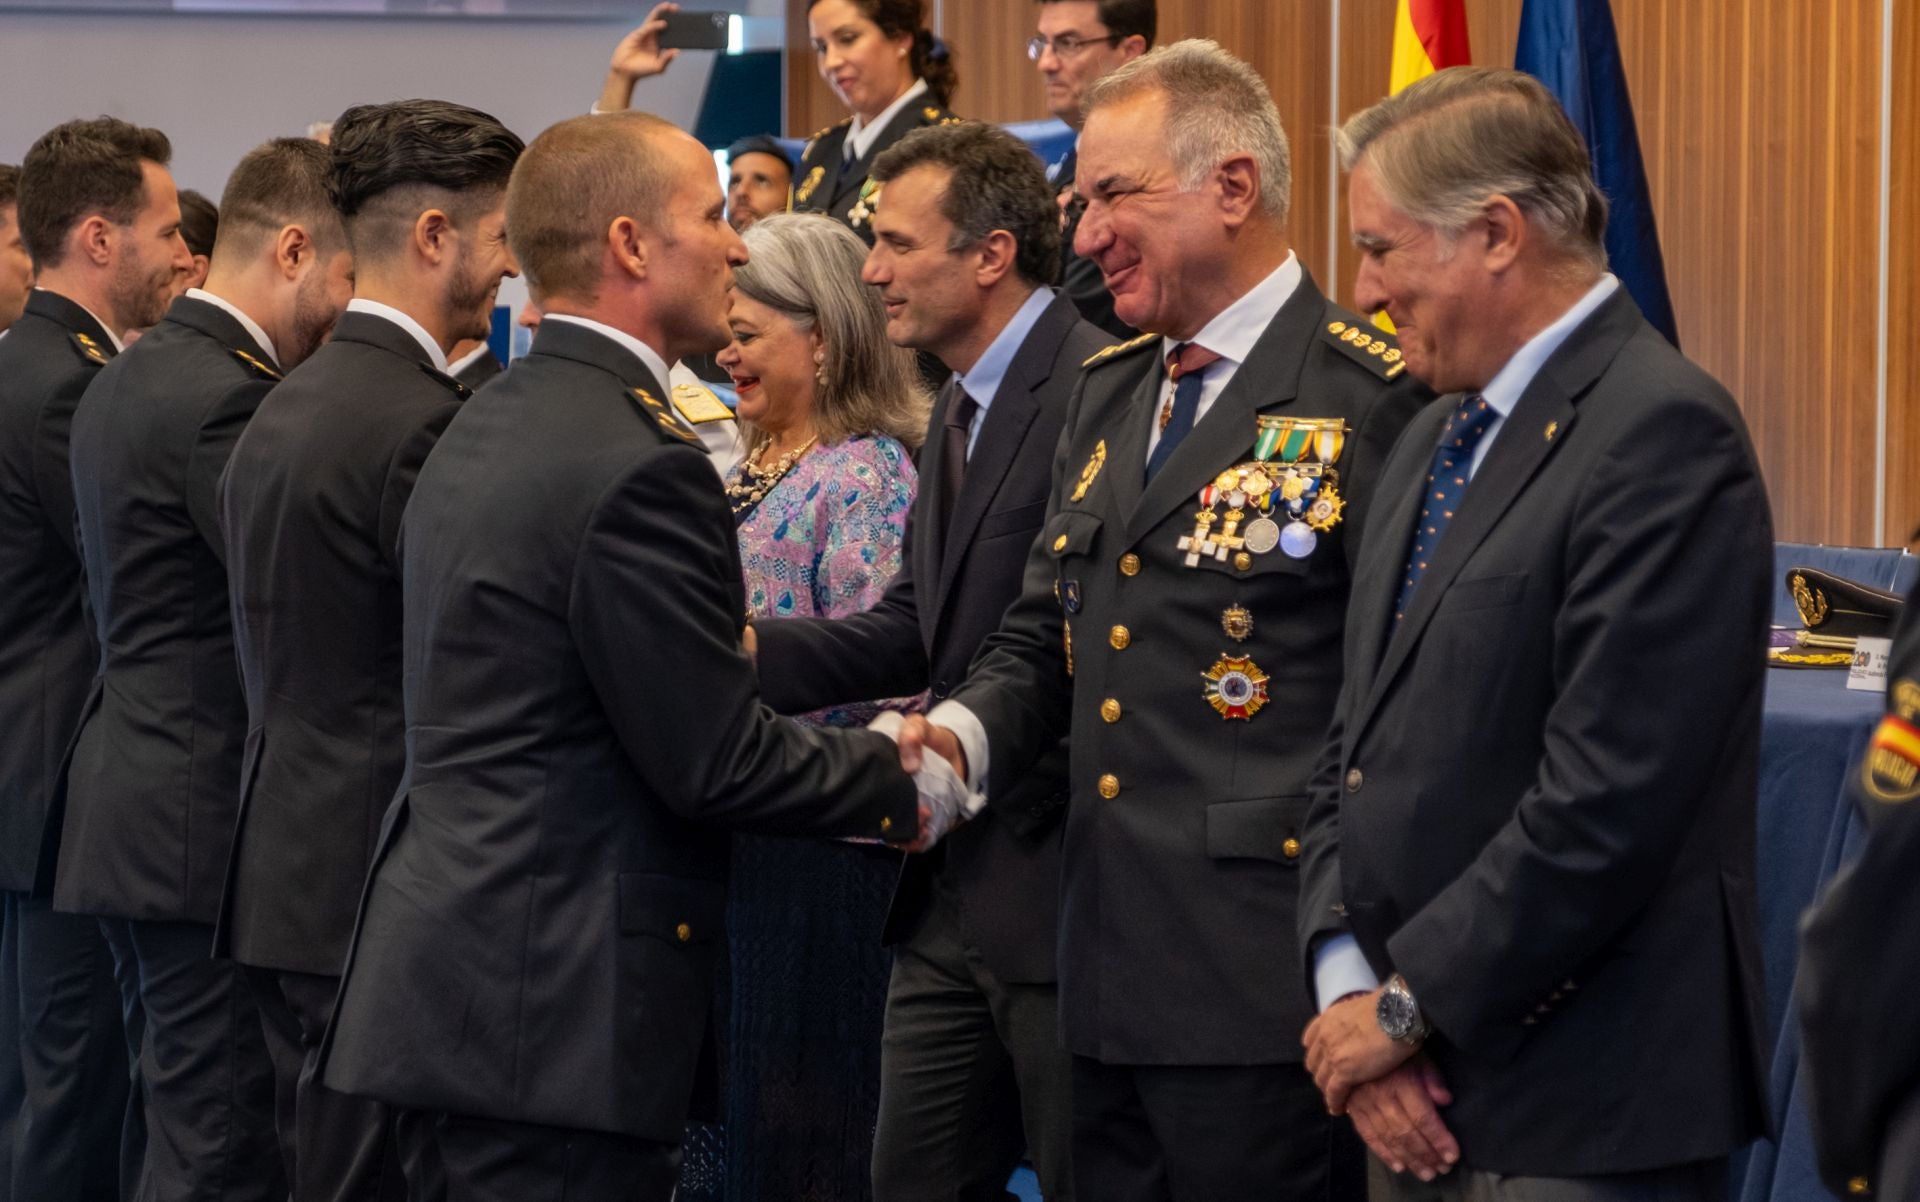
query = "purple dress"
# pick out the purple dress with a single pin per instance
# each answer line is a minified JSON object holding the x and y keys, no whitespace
{"x":809,"y":975}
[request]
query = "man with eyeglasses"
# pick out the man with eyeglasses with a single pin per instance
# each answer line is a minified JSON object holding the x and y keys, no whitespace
{"x":1078,"y":42}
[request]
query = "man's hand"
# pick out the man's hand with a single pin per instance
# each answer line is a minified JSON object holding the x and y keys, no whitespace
{"x":636,"y":57}
{"x":1398,"y":1116}
{"x":920,"y":734}
{"x":750,"y":643}
{"x":1346,"y":1047}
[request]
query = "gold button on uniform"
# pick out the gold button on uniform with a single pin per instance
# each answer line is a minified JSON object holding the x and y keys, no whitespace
{"x":1243,"y":561}
{"x":1859,"y":1186}
{"x":1129,"y":564}
{"x":1354,"y":780}
{"x":1291,"y":849}
{"x":1120,"y":637}
{"x":1109,"y":786}
{"x":886,"y":824}
{"x":1060,"y":544}
{"x":1110,"y":710}
{"x":683,"y":932}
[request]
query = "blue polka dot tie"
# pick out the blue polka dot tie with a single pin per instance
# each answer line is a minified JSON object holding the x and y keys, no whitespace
{"x":1446,"y":485}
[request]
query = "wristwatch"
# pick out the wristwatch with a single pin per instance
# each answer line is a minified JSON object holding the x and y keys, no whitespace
{"x":1399,"y":1014}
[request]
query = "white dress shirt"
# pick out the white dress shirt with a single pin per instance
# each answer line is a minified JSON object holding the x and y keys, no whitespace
{"x":468,"y":360}
{"x":1339,"y":966}
{"x":861,"y":135}
{"x":1231,"y":335}
{"x":405,"y":322}
{"x":247,"y":323}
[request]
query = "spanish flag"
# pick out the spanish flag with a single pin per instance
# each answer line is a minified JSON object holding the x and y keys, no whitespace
{"x":1428,"y":35}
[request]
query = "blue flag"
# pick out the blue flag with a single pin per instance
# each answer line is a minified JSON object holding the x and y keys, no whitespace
{"x":1570,"y":46}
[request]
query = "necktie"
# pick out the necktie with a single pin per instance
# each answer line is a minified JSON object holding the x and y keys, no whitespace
{"x":1446,"y":486}
{"x":954,"y":430}
{"x":1187,"y":368}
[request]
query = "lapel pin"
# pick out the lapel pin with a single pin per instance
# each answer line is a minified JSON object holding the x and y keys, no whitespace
{"x":1552,"y":429}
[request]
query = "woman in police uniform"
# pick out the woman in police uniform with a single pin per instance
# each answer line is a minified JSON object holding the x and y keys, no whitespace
{"x":885,"y":65}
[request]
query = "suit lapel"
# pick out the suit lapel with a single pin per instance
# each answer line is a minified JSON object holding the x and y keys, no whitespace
{"x":1538,"y":425}
{"x":1270,"y":377}
{"x":1123,"y":424}
{"x":1383,"y":555}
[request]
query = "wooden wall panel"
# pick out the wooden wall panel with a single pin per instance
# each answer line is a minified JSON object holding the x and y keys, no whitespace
{"x":1760,"y":125}
{"x":1903,"y":302}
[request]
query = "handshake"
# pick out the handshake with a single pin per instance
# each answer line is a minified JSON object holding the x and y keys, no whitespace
{"x":940,"y":777}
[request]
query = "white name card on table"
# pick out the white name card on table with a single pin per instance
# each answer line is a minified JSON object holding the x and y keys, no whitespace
{"x":1869,"y":670}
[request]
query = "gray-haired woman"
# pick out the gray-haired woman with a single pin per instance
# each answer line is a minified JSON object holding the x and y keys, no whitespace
{"x":829,"y":408}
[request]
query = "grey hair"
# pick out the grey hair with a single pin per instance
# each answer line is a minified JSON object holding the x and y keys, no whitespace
{"x":1442,"y":148}
{"x":806,"y":267}
{"x":1217,"y":107}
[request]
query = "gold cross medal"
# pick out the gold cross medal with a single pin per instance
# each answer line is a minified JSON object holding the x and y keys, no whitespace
{"x":1201,"y":543}
{"x":1235,"y":687}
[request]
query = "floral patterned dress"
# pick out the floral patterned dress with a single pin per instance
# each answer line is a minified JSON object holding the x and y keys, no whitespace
{"x":808,"y":973}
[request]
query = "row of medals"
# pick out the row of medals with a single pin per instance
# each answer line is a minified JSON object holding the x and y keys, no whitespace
{"x":1299,"y":491}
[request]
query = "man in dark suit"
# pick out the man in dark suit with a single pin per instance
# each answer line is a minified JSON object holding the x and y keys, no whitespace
{"x":1181,"y":618}
{"x":98,"y":214}
{"x":532,"y":967}
{"x":1534,"y":817}
{"x":965,"y":239}
{"x":1077,"y":42}
{"x":310,"y":516}
{"x":1859,"y":957}
{"x":153,"y":776}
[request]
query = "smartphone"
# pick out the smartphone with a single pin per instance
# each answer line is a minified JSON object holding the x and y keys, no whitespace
{"x":694,"y":31}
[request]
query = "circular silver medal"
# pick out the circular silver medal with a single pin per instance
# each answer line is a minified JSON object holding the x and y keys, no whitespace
{"x":1262,"y":535}
{"x":1298,"y":540}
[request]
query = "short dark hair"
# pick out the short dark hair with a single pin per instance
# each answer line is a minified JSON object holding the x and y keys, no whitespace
{"x":1127,"y":18}
{"x":199,"y":222}
{"x":276,"y":184}
{"x":995,"y":182}
{"x":80,"y":168}
{"x":389,"y":161}
{"x":9,"y":184}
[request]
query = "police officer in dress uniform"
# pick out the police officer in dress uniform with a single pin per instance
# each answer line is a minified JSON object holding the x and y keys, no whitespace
{"x":310,"y":514}
{"x":896,"y":77}
{"x":153,"y":775}
{"x":1181,"y":617}
{"x":533,"y":960}
{"x":99,"y":216}
{"x":1859,"y":959}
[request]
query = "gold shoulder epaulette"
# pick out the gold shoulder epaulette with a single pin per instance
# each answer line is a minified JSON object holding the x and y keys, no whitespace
{"x":90,"y":350}
{"x":668,"y":420}
{"x":697,"y":405}
{"x":1365,"y":343}
{"x":254,"y":363}
{"x":1114,"y":352}
{"x":806,"y":152}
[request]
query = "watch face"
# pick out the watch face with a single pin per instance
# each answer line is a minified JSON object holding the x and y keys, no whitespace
{"x":1396,"y":1014}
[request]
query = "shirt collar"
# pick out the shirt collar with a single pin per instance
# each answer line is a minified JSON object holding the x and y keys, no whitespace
{"x":982,"y":381}
{"x":649,"y":358}
{"x":469,"y":359}
{"x":861,"y":135}
{"x":246,"y":323}
{"x":374,"y":308}
{"x":113,"y":335}
{"x":1504,"y":391}
{"x":1235,"y":329}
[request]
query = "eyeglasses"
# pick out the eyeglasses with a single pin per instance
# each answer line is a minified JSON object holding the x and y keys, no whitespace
{"x":1065,"y":46}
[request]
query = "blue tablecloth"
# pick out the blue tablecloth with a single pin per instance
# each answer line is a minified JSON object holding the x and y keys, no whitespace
{"x":1815,"y":727}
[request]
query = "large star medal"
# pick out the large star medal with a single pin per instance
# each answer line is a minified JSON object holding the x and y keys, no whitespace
{"x":1236,"y":687}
